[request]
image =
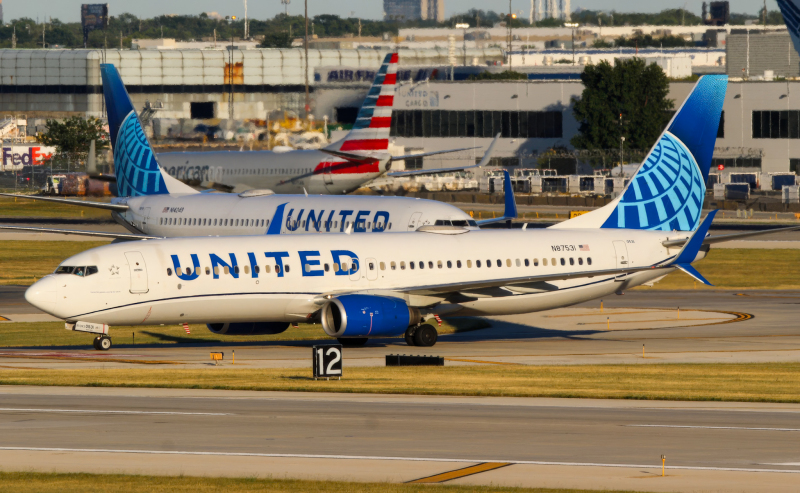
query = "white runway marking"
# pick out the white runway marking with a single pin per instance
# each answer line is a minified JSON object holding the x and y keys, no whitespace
{"x":714,"y":427}
{"x":96,"y":411}
{"x":411,"y":459}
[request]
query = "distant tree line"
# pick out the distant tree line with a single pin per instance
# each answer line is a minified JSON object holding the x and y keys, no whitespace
{"x":281,"y":29}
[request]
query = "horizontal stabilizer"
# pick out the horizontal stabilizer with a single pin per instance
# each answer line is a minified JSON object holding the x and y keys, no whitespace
{"x":687,"y":268}
{"x":96,"y":234}
{"x":711,"y":240}
{"x":81,"y":203}
{"x":487,"y":156}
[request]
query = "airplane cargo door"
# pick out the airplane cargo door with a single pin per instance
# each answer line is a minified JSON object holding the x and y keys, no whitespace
{"x":622,"y":254}
{"x":138,"y":272}
{"x":412,"y":223}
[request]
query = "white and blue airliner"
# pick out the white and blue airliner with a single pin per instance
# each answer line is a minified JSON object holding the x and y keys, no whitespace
{"x":377,"y":285}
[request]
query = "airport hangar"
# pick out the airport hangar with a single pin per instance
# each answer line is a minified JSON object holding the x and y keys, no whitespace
{"x":760,"y":130}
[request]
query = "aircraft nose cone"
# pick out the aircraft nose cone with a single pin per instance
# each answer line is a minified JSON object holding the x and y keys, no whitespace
{"x":42,"y":295}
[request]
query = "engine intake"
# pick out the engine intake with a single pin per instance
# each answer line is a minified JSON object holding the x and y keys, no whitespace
{"x":248,"y":328}
{"x":359,"y":315}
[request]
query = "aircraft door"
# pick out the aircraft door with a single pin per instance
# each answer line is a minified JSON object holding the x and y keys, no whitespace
{"x":145,"y":218}
{"x":621,"y":251}
{"x":327,"y":176}
{"x":138,"y":271}
{"x":372,"y":269}
{"x":414,"y":222}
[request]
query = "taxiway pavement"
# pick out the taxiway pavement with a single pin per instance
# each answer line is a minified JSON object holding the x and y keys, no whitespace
{"x":505,"y":441}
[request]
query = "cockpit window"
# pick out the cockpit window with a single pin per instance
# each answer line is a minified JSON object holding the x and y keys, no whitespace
{"x":473,"y":223}
{"x":442,"y":222}
{"x":461,"y":224}
{"x":81,"y":271}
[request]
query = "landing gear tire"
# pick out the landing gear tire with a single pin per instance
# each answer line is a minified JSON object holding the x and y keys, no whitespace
{"x":425,"y":336}
{"x":102,"y":343}
{"x":352,"y":341}
{"x":410,"y":336}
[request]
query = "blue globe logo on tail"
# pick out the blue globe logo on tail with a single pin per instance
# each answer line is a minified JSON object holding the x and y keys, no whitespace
{"x":138,"y":172}
{"x":666,"y":194}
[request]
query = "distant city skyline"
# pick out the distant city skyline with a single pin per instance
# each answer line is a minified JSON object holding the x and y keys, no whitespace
{"x":69,"y":10}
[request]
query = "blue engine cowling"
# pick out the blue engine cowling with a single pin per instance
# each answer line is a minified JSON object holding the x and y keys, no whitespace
{"x":360,"y":315}
{"x":248,"y":328}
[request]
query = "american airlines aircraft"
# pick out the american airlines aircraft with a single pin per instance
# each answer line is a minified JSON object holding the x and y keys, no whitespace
{"x":339,"y":168}
{"x":157,"y":205}
{"x":389,"y":285}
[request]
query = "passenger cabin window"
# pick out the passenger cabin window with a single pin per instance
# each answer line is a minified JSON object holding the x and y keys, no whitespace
{"x":571,"y":261}
{"x":392,"y":265}
{"x":589,"y":260}
{"x":563,"y":262}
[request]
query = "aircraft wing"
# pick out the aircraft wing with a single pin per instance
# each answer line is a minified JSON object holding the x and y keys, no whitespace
{"x":98,"y":234}
{"x":82,"y":203}
{"x":510,"y":212}
{"x":487,"y":156}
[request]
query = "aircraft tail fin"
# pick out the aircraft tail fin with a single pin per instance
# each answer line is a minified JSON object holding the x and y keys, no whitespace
{"x":370,"y":133}
{"x":790,"y":9}
{"x":668,"y":189}
{"x":137,"y":171}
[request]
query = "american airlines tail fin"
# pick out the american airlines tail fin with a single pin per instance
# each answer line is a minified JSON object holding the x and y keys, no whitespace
{"x":667,"y":191}
{"x":790,"y":9}
{"x":137,"y":171}
{"x":370,"y":133}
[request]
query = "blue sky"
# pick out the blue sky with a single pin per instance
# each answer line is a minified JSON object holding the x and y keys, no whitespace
{"x":69,"y":10}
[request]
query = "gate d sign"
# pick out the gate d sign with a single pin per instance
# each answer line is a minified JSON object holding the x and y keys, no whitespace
{"x":327,"y":361}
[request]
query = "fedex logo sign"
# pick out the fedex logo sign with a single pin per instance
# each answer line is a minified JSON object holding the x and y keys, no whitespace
{"x":15,"y":157}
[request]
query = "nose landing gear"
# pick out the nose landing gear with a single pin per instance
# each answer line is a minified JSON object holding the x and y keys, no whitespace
{"x":102,"y":343}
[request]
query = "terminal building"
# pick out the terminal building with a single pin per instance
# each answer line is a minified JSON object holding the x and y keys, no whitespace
{"x":760,"y":130}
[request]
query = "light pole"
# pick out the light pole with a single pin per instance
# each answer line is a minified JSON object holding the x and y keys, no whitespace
{"x":621,"y":142}
{"x":572,"y":25}
{"x":464,"y":26}
{"x":286,"y":7}
{"x":305,"y":47}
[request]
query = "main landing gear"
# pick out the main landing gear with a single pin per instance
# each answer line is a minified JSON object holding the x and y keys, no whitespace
{"x":422,"y":336}
{"x":102,"y":343}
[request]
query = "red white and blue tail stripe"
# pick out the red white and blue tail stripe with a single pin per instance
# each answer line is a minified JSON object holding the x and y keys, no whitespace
{"x":370,"y":132}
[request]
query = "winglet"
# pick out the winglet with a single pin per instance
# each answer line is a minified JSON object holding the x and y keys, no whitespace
{"x":510,"y":201}
{"x":510,"y":210}
{"x":277,"y":221}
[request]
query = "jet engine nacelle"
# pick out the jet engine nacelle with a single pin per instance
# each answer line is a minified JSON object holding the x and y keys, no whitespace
{"x":359,"y":315}
{"x":248,"y":328}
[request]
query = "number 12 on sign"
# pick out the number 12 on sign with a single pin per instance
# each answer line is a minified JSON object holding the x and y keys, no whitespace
{"x":327,"y":361}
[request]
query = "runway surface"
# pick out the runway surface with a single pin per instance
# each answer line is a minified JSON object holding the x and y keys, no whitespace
{"x":526,"y":442}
